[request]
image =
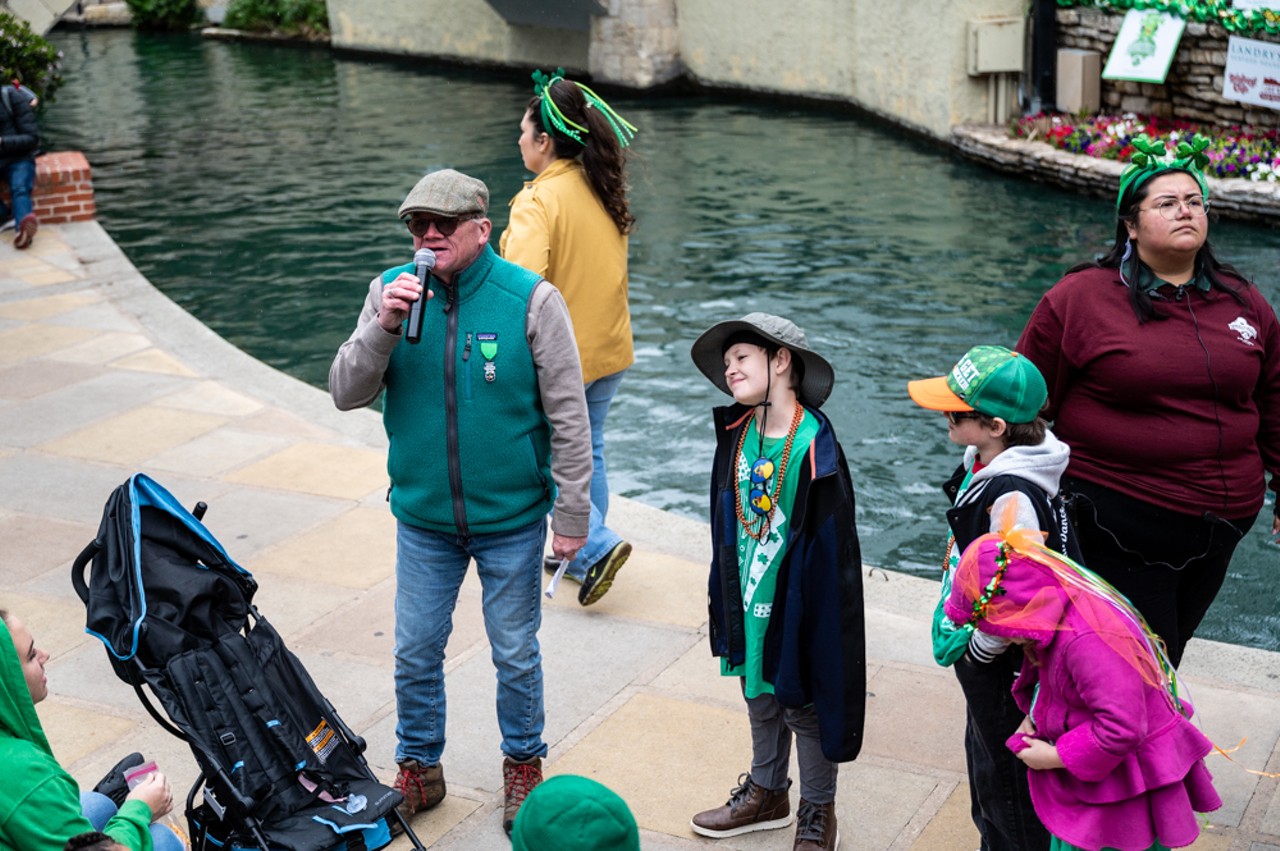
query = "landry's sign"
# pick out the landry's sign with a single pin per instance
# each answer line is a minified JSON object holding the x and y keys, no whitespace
{"x":1252,"y":74}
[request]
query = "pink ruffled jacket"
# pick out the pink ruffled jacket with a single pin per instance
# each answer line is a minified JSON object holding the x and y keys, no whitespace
{"x":1134,"y":769}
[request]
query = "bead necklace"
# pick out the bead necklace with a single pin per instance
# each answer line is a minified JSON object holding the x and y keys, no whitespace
{"x":771,"y":502}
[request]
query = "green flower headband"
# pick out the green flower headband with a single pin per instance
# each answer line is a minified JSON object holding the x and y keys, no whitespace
{"x":1151,"y":157}
{"x":553,"y":117}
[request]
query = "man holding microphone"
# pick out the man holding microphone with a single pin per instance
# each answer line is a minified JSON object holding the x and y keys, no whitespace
{"x":488,"y":427}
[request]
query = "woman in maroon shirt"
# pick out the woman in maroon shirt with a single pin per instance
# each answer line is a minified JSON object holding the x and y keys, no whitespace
{"x":1163,"y":365}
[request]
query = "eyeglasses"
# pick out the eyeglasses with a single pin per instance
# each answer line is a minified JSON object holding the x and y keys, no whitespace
{"x":957,"y":417}
{"x":445,"y":227}
{"x":1169,"y":208}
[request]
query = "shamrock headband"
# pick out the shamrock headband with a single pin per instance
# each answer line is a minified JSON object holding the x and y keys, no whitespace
{"x":554,"y":118}
{"x":1151,"y":157}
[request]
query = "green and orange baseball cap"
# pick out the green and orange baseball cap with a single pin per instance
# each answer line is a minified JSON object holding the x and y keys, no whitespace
{"x":991,"y":380}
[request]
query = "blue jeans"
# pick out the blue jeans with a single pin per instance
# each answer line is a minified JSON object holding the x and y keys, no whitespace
{"x":600,"y":538}
{"x":99,"y":809}
{"x":429,"y":571}
{"x":20,"y":176}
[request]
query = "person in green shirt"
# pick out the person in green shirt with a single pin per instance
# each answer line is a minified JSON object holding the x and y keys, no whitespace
{"x":41,"y":807}
{"x":785,"y":590}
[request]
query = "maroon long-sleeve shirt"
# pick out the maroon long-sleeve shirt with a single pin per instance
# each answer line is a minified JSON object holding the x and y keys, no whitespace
{"x":1183,"y":412}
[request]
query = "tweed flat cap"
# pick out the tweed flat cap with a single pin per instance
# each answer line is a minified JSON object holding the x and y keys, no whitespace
{"x":447,"y":193}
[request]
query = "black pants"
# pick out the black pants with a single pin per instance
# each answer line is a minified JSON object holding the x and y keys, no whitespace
{"x":1169,"y":565}
{"x":1001,"y":799}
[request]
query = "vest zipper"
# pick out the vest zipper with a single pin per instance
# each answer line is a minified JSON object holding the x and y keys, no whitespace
{"x":466,"y":369}
{"x":451,"y":409}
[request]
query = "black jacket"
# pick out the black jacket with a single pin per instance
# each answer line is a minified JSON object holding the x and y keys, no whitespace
{"x":972,"y":520}
{"x":19,"y":133}
{"x":815,"y":645}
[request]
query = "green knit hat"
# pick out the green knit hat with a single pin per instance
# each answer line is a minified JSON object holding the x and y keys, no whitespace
{"x":1151,"y":157}
{"x":573,"y":813}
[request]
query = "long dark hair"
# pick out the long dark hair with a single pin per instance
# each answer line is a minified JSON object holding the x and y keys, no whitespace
{"x":1143,"y":307}
{"x":602,"y":155}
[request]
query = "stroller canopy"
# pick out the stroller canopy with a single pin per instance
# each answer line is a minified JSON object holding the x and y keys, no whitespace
{"x":159,"y":569}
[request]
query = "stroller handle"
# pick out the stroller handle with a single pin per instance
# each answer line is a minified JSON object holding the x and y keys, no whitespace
{"x":77,"y":570}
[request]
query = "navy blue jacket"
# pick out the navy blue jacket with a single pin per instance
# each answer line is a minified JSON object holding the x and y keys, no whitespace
{"x":815,"y":644}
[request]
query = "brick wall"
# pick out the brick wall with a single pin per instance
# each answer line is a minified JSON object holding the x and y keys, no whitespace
{"x":1193,"y":89}
{"x":64,"y":188}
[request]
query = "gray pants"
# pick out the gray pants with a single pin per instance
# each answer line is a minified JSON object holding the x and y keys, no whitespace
{"x":772,"y":726}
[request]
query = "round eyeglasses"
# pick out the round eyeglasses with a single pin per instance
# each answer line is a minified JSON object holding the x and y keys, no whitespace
{"x":1170,"y":208}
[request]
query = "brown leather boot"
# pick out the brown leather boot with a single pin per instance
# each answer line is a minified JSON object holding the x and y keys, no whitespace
{"x":816,"y":828}
{"x":421,"y":785}
{"x":749,"y":808}
{"x":518,"y":780}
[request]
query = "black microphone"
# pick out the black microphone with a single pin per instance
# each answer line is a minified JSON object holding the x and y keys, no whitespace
{"x":425,"y":260}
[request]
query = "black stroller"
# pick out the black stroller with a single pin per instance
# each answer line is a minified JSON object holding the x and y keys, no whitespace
{"x":278,"y":768}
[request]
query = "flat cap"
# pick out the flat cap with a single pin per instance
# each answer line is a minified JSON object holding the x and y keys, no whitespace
{"x":447,"y":193}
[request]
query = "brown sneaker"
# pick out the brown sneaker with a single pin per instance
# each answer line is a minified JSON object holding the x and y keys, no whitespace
{"x":26,"y":231}
{"x":518,"y":780}
{"x":600,"y":575}
{"x":749,"y":808}
{"x":421,"y":785}
{"x":816,"y":828}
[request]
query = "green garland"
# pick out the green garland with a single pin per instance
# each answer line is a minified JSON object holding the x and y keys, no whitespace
{"x":1220,"y":12}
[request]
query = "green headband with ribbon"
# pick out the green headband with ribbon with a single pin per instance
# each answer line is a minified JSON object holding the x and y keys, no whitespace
{"x":554,"y":118}
{"x":1152,"y":157}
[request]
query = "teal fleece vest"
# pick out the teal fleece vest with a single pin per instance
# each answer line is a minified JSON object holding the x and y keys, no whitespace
{"x":502,"y":480}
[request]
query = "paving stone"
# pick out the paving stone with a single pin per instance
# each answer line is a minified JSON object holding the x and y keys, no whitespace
{"x":74,"y":733}
{"x":1227,"y":716}
{"x":23,"y":382}
{"x":133,"y":436}
{"x":952,"y":828}
{"x":32,"y":341}
{"x":321,"y":469}
{"x":649,"y":586}
{"x":212,"y":397}
{"x":67,"y":409}
{"x":356,"y":548}
{"x":214,"y":453}
{"x":932,"y":739}
{"x":34,"y":309}
{"x":153,"y":360}
{"x":248,"y":521}
{"x":33,"y":545}
{"x":102,"y":348}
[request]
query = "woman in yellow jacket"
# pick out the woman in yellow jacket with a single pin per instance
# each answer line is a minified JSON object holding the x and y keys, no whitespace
{"x":570,"y":224}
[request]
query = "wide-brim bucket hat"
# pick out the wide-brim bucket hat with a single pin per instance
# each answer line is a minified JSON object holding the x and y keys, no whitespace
{"x":708,"y":353}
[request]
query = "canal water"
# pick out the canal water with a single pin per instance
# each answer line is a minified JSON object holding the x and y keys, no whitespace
{"x":257,"y":187}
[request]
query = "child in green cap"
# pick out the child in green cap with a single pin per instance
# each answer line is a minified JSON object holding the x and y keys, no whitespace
{"x":786,"y":576}
{"x":573,"y":813}
{"x":992,"y":400}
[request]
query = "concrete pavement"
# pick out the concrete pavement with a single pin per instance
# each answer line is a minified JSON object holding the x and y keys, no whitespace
{"x":102,"y":376}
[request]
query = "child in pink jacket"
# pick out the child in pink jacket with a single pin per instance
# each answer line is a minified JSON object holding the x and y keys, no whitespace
{"x":1116,"y":762}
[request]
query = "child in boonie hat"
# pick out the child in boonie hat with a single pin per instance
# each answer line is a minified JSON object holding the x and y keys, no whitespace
{"x":775,"y":452}
{"x":573,"y":813}
{"x":1012,"y":464}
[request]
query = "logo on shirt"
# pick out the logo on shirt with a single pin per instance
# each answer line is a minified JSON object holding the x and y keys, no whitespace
{"x":1246,"y":331}
{"x":762,"y":610}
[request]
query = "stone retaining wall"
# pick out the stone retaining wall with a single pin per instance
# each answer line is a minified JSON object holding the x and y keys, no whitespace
{"x":992,"y":146}
{"x":1193,"y":89}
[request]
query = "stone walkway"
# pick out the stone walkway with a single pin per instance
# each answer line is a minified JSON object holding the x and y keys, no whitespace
{"x":101,"y":376}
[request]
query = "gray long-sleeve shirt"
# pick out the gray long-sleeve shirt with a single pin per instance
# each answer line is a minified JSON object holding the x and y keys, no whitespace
{"x":357,"y":376}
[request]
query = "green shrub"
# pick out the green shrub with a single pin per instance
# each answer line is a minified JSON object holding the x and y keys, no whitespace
{"x":164,"y":14}
{"x":28,"y":58}
{"x":297,"y":17}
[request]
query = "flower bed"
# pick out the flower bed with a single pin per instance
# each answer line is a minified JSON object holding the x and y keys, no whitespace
{"x":1234,"y":152}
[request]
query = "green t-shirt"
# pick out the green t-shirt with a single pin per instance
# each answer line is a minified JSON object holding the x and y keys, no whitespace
{"x":758,"y":561}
